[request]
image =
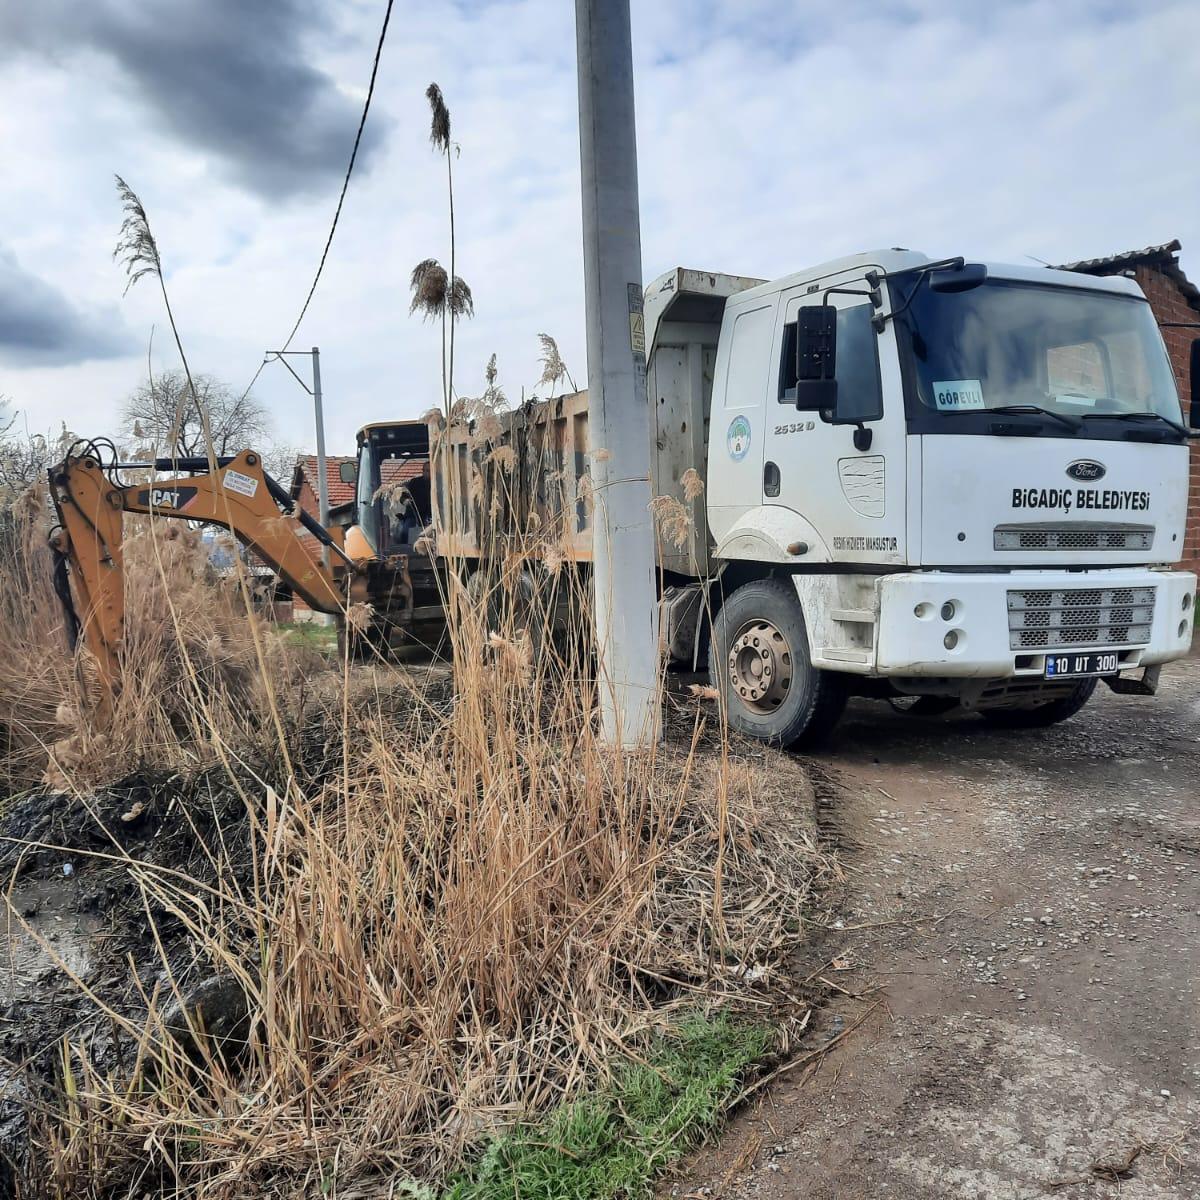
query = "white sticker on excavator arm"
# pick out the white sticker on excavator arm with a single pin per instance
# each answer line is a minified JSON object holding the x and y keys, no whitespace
{"x":235,"y":481}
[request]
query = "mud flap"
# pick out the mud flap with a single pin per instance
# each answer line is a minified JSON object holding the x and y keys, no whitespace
{"x":1127,"y":685}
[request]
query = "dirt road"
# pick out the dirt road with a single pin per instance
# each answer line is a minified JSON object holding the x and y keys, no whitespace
{"x":1024,"y":910}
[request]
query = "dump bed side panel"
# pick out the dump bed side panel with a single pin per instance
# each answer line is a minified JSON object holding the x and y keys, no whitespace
{"x":519,"y":480}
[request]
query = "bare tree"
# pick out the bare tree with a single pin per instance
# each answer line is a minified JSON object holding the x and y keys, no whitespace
{"x":279,"y":461}
{"x":168,"y":403}
{"x":25,"y":458}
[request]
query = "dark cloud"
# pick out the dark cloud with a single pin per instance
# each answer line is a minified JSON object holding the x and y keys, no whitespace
{"x":39,"y":326}
{"x":230,"y":77}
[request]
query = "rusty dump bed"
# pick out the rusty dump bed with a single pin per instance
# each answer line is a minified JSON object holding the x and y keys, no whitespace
{"x":517,"y":472}
{"x":552,"y":454}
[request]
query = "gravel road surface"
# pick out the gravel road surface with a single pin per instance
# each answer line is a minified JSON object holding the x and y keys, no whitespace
{"x":1019,"y":958}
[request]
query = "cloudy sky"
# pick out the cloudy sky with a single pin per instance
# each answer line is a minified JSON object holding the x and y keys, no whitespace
{"x":772,"y":136}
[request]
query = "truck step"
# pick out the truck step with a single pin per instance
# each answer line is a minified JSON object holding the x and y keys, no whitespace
{"x":853,"y":616}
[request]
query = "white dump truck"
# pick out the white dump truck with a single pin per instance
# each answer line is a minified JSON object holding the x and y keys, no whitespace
{"x":940,"y":482}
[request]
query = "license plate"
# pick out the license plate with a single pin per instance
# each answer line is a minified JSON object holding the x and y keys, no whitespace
{"x":1067,"y":666}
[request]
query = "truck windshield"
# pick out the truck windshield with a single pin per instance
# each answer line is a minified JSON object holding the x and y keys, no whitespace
{"x":1047,"y":351}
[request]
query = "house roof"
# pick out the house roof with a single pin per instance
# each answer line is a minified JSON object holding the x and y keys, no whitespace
{"x":391,"y":470}
{"x":397,"y":470}
{"x":306,"y":469}
{"x":1164,"y":258}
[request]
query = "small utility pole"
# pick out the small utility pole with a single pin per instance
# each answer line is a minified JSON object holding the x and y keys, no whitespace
{"x":319,"y":415}
{"x":322,"y":479}
{"x":618,"y":417}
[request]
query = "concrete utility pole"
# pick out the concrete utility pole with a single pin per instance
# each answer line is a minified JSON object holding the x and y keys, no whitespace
{"x":618,"y":416}
{"x":323,"y":479}
{"x":319,"y":415}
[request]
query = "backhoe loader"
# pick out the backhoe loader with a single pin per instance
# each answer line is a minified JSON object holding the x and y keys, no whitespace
{"x":92,"y":495}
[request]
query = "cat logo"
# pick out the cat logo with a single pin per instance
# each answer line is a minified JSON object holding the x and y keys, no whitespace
{"x":176,"y":498}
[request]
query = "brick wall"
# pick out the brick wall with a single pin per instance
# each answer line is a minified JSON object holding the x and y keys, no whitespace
{"x":1169,"y":304}
{"x":308,"y":499}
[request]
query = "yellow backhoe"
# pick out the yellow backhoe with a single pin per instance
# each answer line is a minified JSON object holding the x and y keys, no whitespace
{"x":92,"y":496}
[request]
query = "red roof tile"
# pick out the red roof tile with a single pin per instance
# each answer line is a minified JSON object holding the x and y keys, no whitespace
{"x":392,"y":470}
{"x":396,"y":470}
{"x":306,"y":471}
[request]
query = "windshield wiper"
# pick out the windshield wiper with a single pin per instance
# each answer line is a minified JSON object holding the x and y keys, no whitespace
{"x":1182,"y":430}
{"x":1072,"y":423}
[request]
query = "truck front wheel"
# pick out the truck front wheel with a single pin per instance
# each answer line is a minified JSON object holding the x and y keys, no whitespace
{"x":1040,"y":715}
{"x":758,"y":660}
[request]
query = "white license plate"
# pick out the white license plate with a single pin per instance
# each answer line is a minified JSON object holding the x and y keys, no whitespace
{"x":1068,"y":666}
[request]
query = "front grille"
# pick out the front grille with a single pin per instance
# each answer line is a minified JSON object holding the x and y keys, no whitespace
{"x":1047,"y":619}
{"x":1080,"y":536}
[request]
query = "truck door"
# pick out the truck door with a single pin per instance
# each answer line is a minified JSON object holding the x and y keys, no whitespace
{"x":854,"y":498}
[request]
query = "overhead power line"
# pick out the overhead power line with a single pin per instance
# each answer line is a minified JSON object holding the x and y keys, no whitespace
{"x":387,"y":16}
{"x":362,"y":122}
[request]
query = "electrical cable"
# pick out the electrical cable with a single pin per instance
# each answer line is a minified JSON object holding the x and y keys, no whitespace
{"x":387,"y":16}
{"x":362,"y":122}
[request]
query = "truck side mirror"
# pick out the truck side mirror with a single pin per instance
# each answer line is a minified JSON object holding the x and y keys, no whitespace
{"x":816,"y":356}
{"x":348,"y":472}
{"x":856,"y":407}
{"x":1194,"y":369}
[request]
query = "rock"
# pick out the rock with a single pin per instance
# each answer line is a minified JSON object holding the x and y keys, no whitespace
{"x":216,"y":1009}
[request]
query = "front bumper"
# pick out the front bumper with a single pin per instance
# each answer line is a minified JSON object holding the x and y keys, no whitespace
{"x":920,"y":611}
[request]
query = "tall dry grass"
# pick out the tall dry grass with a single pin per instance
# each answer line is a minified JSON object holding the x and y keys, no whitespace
{"x":462,"y":922}
{"x":200,"y":674}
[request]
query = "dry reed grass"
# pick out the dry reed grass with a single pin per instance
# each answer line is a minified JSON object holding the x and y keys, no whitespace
{"x":197,"y":671}
{"x":464,"y":922}
{"x":463,"y":917}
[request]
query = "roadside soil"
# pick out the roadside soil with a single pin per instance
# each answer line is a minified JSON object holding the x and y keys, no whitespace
{"x":1013,"y":973}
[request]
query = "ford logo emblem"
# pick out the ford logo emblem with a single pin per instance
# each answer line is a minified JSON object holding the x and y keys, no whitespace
{"x":1086,"y":469}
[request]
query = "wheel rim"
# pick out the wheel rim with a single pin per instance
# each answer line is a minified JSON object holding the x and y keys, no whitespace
{"x":760,"y":666}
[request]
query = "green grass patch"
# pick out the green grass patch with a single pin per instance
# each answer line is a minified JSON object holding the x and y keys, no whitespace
{"x":614,"y":1141}
{"x":309,"y":633}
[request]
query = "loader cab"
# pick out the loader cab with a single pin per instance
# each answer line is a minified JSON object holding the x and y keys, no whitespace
{"x":391,"y":483}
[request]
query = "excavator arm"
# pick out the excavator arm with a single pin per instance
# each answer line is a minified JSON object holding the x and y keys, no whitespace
{"x":238,"y":495}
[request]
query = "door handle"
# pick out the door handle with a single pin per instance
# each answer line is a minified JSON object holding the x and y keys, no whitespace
{"x":771,"y":479}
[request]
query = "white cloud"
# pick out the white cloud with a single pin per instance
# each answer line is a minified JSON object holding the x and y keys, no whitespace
{"x":771,"y":138}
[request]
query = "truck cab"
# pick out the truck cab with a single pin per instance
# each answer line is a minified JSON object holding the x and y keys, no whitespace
{"x":954,"y":481}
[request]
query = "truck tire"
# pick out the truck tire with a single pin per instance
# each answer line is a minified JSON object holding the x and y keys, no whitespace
{"x":1038,"y":716}
{"x":759,"y":662}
